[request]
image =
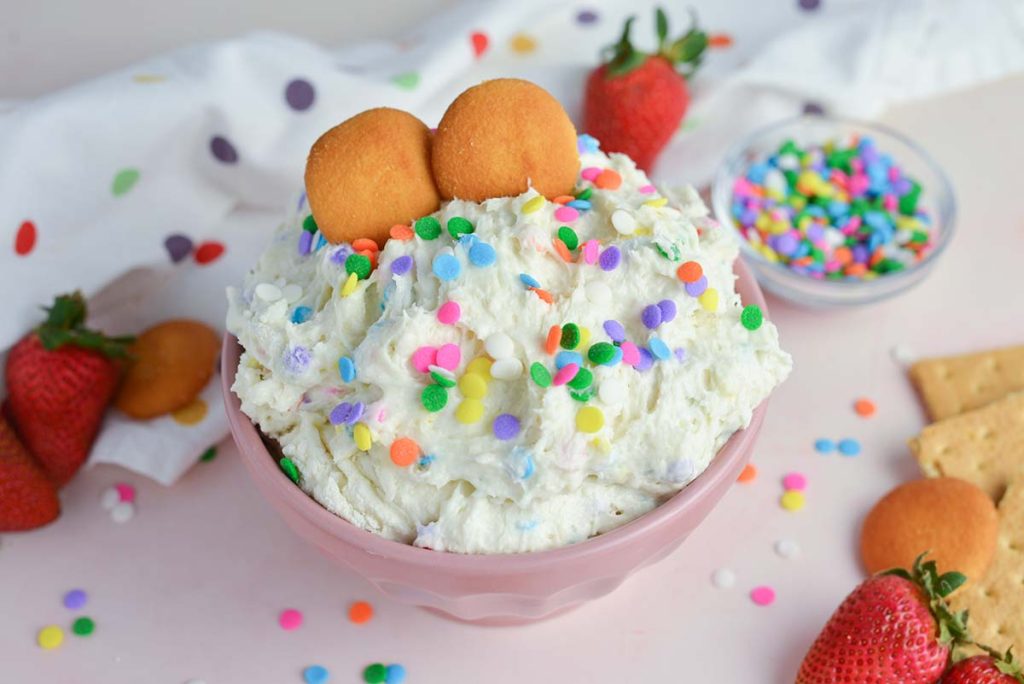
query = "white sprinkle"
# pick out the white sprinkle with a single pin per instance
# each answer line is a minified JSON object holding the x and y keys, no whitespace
{"x":268,"y":292}
{"x":507,"y":369}
{"x":775,"y":181}
{"x":443,"y":372}
{"x":787,"y":548}
{"x":110,"y":498}
{"x":598,"y":293}
{"x":122,"y":512}
{"x":903,"y":355}
{"x":499,"y":346}
{"x":291,"y":293}
{"x":623,"y":222}
{"x":612,"y":390}
{"x":723,"y":578}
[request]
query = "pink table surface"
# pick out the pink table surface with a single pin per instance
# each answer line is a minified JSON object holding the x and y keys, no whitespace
{"x":191,"y":587}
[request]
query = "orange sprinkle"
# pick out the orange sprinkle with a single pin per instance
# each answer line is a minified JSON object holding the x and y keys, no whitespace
{"x":365,"y":244}
{"x":554,"y":337}
{"x":563,"y":250}
{"x":563,"y":199}
{"x":404,"y":452}
{"x":877,"y":256}
{"x":360,"y":612}
{"x":843,"y":255}
{"x":719,"y":40}
{"x":748,"y":474}
{"x":690,"y":272}
{"x":543,"y":294}
{"x":865,"y":408}
{"x":372,"y":256}
{"x":401,"y":232}
{"x":802,"y":261}
{"x":855,"y":269}
{"x":609,"y":179}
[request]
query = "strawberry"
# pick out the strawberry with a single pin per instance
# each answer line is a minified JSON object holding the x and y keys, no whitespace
{"x":28,"y":498}
{"x":635,"y":101}
{"x":991,"y":668}
{"x":60,"y":379}
{"x":894,"y":627}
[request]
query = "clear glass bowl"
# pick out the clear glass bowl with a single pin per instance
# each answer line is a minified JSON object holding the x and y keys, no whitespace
{"x":936,"y":196}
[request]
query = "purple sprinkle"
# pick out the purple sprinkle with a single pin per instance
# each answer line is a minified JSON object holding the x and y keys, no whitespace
{"x":299,"y":94}
{"x":401,"y":265}
{"x":615,"y":331}
{"x":813,"y":109}
{"x":610,"y":258}
{"x":346,"y":413}
{"x":339,"y":255}
{"x":586,"y":17}
{"x":75,"y":599}
{"x":302,"y":201}
{"x":223,"y":150}
{"x":305,"y":242}
{"x":646,"y":360}
{"x":178,"y":247}
{"x":506,"y":427}
{"x":680,"y":354}
{"x":696,"y":288}
{"x":860,"y":254}
{"x":297,"y":359}
{"x":668,"y":310}
{"x":651,"y":316}
{"x":786,"y":244}
{"x":815,"y":232}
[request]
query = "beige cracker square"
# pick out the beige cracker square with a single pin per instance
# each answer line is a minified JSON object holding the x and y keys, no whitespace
{"x":996,"y":603}
{"x":955,"y":384}
{"x":984,"y":446}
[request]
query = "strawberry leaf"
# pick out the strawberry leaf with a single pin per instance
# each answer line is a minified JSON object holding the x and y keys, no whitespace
{"x":65,"y":325}
{"x":661,"y":22}
{"x":950,"y":582}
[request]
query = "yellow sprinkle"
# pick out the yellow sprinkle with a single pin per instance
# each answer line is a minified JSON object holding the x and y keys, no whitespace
{"x":779,"y":227}
{"x":584,"y":337}
{"x":148,"y":78}
{"x":361,"y":433}
{"x":709,"y":300}
{"x":481,"y":366}
{"x":473,"y":386}
{"x":350,"y":285}
{"x":469,"y":411}
{"x":602,"y":445}
{"x":589,"y":419}
{"x":773,"y":194}
{"x":50,"y":637}
{"x":523,"y":44}
{"x":534,"y":204}
{"x":792,"y":500}
{"x":656,"y":202}
{"x":769,"y":254}
{"x":804,"y":223}
{"x":643,"y":231}
{"x":190,"y":414}
{"x":798,"y":202}
{"x":761,"y":222}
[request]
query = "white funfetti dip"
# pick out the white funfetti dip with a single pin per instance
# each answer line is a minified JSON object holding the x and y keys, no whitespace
{"x":547,"y":481}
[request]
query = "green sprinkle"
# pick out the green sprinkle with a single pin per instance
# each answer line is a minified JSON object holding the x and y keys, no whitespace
{"x":582,"y":380}
{"x":456,"y":226}
{"x":540,"y":374}
{"x":569,"y":237}
{"x":442,"y":380}
{"x":585,"y":194}
{"x":601,"y":353}
{"x":289,"y":468}
{"x":582,"y":395}
{"x":908,"y":203}
{"x":919,"y":237}
{"x":375,"y":674}
{"x":309,"y":224}
{"x":888,"y":266}
{"x":209,"y":454}
{"x":675,"y":254}
{"x":789,"y":147}
{"x":428,"y":228}
{"x":83,"y":626}
{"x":570,"y":336}
{"x":859,"y":206}
{"x":124,"y":181}
{"x":434,"y":398}
{"x":358,"y":264}
{"x":751,"y":317}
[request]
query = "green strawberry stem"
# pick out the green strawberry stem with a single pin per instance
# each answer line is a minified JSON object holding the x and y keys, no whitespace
{"x":65,"y":325}
{"x":936,"y":587}
{"x":685,"y":53}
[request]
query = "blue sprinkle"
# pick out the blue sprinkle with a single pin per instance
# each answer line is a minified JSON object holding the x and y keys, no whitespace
{"x":467,"y":240}
{"x":482,"y":254}
{"x":564,"y":358}
{"x":824,"y":446}
{"x":320,"y":242}
{"x":446,"y":267}
{"x":527,"y":525}
{"x":582,"y":205}
{"x":849,"y":447}
{"x":757,"y":172}
{"x":529,"y":280}
{"x":616,"y":359}
{"x":520,"y":462}
{"x":315,"y":674}
{"x":301,"y":314}
{"x":659,"y":349}
{"x":586,"y":143}
{"x":395,"y":674}
{"x":347,"y":368}
{"x":426,"y":460}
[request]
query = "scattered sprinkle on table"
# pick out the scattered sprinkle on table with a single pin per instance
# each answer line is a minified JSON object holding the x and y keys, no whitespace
{"x":794,"y":481}
{"x":787,"y":548}
{"x":83,"y":626}
{"x":792,"y":500}
{"x":762,"y":596}
{"x":75,"y":599}
{"x":375,"y":674}
{"x":122,"y":512}
{"x":315,"y":674}
{"x":824,"y":446}
{"x":50,"y":637}
{"x":723,"y":578}
{"x":865,"y":408}
{"x":748,"y":474}
{"x":849,"y":447}
{"x":395,"y":674}
{"x":360,"y":612}
{"x":290,"y":619}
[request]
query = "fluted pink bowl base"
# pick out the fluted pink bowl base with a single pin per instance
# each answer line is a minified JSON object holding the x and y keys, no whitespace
{"x":500,"y":589}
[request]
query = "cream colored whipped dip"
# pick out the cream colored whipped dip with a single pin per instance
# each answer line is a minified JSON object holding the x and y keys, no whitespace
{"x":544,"y":475}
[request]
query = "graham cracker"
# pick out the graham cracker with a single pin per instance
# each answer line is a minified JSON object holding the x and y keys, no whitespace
{"x":954,"y":384}
{"x":984,"y":446}
{"x":996,"y":603}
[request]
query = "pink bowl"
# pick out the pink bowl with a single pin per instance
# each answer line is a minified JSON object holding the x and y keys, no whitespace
{"x":495,"y":589}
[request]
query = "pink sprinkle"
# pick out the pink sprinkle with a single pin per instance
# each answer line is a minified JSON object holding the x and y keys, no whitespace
{"x":448,"y":356}
{"x":763,"y":596}
{"x":125,"y":491}
{"x":382,"y":415}
{"x":889,"y":202}
{"x":630,"y":353}
{"x":565,"y":374}
{"x":290,"y":619}
{"x":566,"y":214}
{"x":741,"y":187}
{"x":832,"y":266}
{"x":590,"y":173}
{"x":590,"y":251}
{"x":423,"y":358}
{"x":859,"y":184}
{"x":795,"y":481}
{"x":857,"y":165}
{"x":647,"y":189}
{"x":449,"y":313}
{"x":894,"y":174}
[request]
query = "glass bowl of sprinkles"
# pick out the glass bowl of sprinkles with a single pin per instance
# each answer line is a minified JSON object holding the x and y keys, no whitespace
{"x":832,"y":212}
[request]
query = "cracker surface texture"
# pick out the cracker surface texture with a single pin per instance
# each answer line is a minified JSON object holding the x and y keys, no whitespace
{"x":955,"y":384}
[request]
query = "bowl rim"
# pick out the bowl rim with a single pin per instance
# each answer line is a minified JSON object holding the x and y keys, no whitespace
{"x":257,"y":457}
{"x":721,"y":194}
